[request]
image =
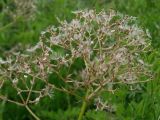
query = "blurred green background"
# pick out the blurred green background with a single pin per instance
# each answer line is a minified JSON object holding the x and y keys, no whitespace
{"x":130,"y":105}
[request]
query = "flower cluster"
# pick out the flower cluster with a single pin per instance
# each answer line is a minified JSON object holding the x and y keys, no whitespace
{"x":106,"y":47}
{"x":109,"y":44}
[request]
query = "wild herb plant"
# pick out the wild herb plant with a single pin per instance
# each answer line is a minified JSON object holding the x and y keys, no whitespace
{"x":108,"y":45}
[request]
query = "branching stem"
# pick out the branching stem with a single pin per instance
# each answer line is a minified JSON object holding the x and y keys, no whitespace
{"x":30,"y":111}
{"x":84,"y":106}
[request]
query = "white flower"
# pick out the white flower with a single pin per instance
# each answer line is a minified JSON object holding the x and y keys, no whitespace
{"x":128,"y":77}
{"x":32,"y":49}
{"x":121,"y":55}
{"x":25,"y":76}
{"x":77,"y":36}
{"x":15,"y":81}
{"x":37,"y":100}
{"x":55,"y":39}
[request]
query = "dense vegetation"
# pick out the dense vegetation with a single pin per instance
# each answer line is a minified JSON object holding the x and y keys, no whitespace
{"x":23,"y":27}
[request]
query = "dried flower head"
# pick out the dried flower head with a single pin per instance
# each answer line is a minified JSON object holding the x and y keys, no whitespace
{"x":107,"y":47}
{"x":110,"y":45}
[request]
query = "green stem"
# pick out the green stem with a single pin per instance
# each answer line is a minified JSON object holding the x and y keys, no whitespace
{"x":9,"y":24}
{"x":84,"y":106}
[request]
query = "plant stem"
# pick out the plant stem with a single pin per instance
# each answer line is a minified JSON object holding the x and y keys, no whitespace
{"x":9,"y":24}
{"x":84,"y":106}
{"x":30,"y":111}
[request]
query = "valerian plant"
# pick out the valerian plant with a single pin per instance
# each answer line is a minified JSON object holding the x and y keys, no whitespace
{"x":108,"y":45}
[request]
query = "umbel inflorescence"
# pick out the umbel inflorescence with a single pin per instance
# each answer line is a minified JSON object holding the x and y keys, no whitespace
{"x":93,"y":52}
